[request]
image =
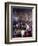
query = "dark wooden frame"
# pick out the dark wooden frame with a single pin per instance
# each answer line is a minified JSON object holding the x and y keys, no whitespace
{"x":7,"y":17}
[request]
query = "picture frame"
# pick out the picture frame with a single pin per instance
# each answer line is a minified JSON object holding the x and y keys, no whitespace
{"x":20,"y":22}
